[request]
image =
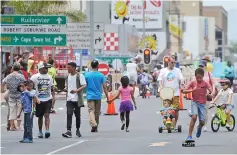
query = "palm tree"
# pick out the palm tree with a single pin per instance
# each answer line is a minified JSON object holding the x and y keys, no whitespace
{"x":46,"y":8}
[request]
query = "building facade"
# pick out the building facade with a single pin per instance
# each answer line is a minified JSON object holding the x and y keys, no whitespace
{"x":221,"y":17}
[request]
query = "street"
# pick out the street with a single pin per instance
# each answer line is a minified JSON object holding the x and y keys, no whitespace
{"x":143,"y":137}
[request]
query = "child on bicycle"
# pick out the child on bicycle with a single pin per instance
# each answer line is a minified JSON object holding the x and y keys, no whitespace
{"x":167,"y":112}
{"x":225,"y":97}
{"x":127,"y":94}
{"x":199,"y":88}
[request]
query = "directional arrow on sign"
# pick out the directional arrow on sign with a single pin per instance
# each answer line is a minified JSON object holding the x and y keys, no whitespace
{"x":15,"y":39}
{"x":59,"y":20}
{"x":99,"y":39}
{"x":59,"y":38}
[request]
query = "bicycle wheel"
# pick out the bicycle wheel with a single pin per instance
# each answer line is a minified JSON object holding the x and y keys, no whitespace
{"x":215,"y":124}
{"x":232,"y":123}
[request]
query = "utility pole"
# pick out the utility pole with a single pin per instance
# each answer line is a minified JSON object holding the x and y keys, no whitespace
{"x":92,"y":52}
{"x":144,"y":4}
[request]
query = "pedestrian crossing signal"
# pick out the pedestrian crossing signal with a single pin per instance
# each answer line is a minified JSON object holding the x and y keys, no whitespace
{"x":147,"y":56}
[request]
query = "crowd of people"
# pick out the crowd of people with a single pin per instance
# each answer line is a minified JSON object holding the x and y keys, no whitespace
{"x":35,"y":94}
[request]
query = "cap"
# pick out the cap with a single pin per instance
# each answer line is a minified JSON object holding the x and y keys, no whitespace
{"x":202,"y":63}
{"x":138,"y":57}
{"x":207,"y":58}
{"x":43,"y":65}
{"x":16,"y":65}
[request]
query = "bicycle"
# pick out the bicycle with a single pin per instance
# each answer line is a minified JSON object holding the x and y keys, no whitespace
{"x":219,"y":119}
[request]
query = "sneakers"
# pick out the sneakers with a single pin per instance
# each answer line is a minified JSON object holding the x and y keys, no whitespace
{"x":40,"y":135}
{"x":78,"y":133}
{"x":68,"y":134}
{"x":199,"y":132}
{"x":47,"y":134}
{"x":205,"y":129}
{"x":227,"y":125}
{"x":26,"y":141}
{"x":127,"y":130}
{"x":94,"y":129}
{"x":189,"y":138}
{"x":123,"y":126}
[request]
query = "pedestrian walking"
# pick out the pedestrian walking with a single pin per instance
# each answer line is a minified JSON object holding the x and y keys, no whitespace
{"x":74,"y":85}
{"x":14,"y":97}
{"x":27,"y":96}
{"x":95,"y":82}
{"x":209,"y":79}
{"x":173,"y":78}
{"x":132,"y":72}
{"x":127,"y":94}
{"x":230,"y":72}
{"x":44,"y":87}
{"x":198,"y":88}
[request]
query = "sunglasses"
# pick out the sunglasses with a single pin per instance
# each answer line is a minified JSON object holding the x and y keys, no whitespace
{"x":223,"y":84}
{"x":173,"y":62}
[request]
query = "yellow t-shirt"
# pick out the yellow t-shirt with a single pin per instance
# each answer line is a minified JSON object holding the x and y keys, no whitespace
{"x":53,"y":72}
{"x":209,"y":67}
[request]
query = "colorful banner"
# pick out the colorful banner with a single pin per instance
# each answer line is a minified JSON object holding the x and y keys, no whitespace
{"x":131,"y":12}
{"x":174,"y":27}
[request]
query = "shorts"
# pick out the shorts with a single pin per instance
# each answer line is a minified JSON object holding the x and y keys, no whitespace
{"x":175,"y":102}
{"x":230,"y":107}
{"x":199,"y":110}
{"x":171,"y":117}
{"x":133,"y":79}
{"x":43,"y":108}
{"x":14,"y":108}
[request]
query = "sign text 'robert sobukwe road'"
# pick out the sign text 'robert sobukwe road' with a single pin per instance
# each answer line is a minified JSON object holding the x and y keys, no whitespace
{"x":33,"y":20}
{"x":33,"y":40}
{"x":48,"y":29}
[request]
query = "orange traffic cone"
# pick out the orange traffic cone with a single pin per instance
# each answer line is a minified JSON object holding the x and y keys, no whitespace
{"x":111,"y":107}
{"x":189,"y":96}
{"x":181,"y":105}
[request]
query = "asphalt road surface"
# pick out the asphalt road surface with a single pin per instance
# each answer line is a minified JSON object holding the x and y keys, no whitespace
{"x":143,"y":137}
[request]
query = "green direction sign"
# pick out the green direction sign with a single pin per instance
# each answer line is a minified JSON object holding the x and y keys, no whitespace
{"x":33,"y":39}
{"x":33,"y":20}
{"x":111,"y":59}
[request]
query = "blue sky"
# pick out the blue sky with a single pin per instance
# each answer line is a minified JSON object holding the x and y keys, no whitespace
{"x":231,"y":8}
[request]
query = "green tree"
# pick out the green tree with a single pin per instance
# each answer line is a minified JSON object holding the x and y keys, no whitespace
{"x":233,"y":48}
{"x":34,"y":7}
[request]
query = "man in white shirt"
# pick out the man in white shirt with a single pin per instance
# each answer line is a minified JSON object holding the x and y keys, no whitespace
{"x":132,"y":72}
{"x":171,"y":77}
{"x":74,"y":85}
{"x":44,"y":88}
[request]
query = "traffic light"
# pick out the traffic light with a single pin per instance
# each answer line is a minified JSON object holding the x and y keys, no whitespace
{"x":147,"y":56}
{"x":165,"y":61}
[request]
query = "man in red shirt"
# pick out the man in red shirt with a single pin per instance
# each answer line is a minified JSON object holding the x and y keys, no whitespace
{"x":199,"y":88}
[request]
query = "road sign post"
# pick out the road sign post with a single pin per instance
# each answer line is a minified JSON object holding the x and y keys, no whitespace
{"x":104,"y":69}
{"x":21,"y":35}
{"x":33,"y":40}
{"x":32,"y":20}
{"x":78,"y":35}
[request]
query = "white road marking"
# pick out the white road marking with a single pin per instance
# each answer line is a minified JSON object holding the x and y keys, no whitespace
{"x":159,"y":144}
{"x":66,"y":147}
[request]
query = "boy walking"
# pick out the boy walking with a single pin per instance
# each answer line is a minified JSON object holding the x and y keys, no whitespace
{"x":199,"y":88}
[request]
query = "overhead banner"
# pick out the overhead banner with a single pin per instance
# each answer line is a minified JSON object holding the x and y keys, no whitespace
{"x":155,"y":41}
{"x":131,"y":12}
{"x":174,"y":27}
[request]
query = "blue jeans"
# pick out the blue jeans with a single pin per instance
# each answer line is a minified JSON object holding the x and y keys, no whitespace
{"x":28,"y":125}
{"x":199,"y":110}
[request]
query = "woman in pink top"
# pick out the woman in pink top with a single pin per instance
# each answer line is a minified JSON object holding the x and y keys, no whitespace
{"x":127,"y":93}
{"x":209,"y":79}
